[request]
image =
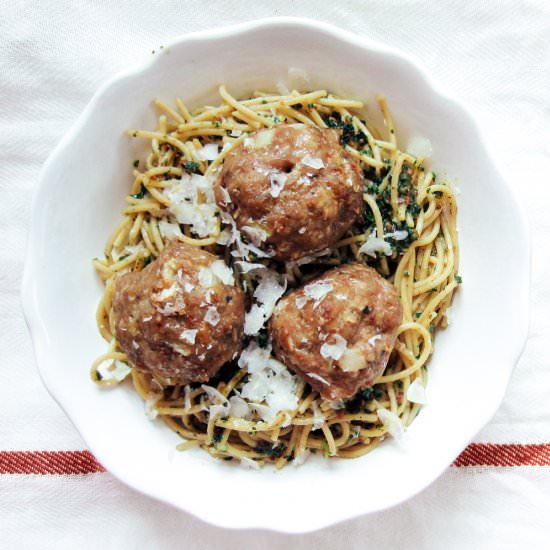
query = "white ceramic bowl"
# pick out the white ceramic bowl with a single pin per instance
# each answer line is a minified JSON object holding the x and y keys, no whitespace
{"x":79,"y":198}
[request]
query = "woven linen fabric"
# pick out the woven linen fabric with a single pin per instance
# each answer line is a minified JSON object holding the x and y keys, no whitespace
{"x":54,"y":55}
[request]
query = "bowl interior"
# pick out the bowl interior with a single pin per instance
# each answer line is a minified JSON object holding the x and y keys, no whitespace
{"x":79,"y":200}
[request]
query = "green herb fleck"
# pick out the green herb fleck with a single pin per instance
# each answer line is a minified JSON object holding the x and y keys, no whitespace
{"x":191,"y":166}
{"x":141,"y":194}
{"x":136,"y":163}
{"x":458,"y":279}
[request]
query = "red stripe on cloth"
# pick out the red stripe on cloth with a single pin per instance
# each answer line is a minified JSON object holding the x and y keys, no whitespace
{"x":49,"y":462}
{"x":498,"y":454}
{"x":84,"y":462}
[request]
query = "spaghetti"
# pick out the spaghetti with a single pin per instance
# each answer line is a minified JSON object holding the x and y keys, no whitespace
{"x":408,"y":233}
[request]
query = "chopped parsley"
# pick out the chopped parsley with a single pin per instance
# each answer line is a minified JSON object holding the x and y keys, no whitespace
{"x":191,"y":166}
{"x":458,"y":279}
{"x":141,"y":194}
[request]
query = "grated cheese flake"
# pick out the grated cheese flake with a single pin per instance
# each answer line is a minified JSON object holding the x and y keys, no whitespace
{"x":392,"y":422}
{"x":208,"y":152}
{"x":189,"y":335}
{"x":117,"y":370}
{"x":312,"y":162}
{"x":222,"y":272}
{"x":212,"y":316}
{"x":374,"y":244}
{"x":416,"y":393}
{"x":419,"y":146}
{"x":277,"y":181}
{"x":336,"y":350}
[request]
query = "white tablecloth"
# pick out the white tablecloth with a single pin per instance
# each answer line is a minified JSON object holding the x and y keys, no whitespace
{"x":53,"y":56}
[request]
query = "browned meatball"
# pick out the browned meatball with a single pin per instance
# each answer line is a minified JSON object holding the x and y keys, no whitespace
{"x":181,"y":318}
{"x":337,"y":331}
{"x":292,"y":189}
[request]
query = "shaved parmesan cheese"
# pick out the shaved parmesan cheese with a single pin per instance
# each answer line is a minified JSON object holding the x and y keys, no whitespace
{"x":256,"y":234}
{"x":254,"y":319}
{"x":206,"y":277}
{"x":318,"y":417}
{"x":212,"y":316}
{"x":302,"y":230}
{"x":208,"y":152}
{"x":238,"y":407}
{"x":392,"y":422}
{"x":317,"y":291}
{"x":336,"y":350}
{"x":169,"y":230}
{"x":312,"y":258}
{"x":352,"y":360}
{"x":270,"y":288}
{"x":249,"y":464}
{"x":192,"y":203}
{"x":189,"y":335}
{"x":277,"y":181}
{"x":301,"y":458}
{"x":266,"y":413}
{"x":242,"y":249}
{"x":116,"y":370}
{"x":315,"y":376}
{"x":312,"y":162}
{"x":187,"y":398}
{"x":269,"y":382}
{"x":298,"y":79}
{"x":222,"y":272}
{"x":416,"y":392}
{"x":226,"y":195}
{"x":263,"y":138}
{"x":247,"y":267}
{"x":374,"y":244}
{"x":236,"y":133}
{"x":300,"y":301}
{"x":399,"y":235}
{"x":220,"y":406}
{"x":225,"y":237}
{"x":248,"y":142}
{"x":128,"y":250}
{"x":418,"y":146}
{"x":150,"y":402}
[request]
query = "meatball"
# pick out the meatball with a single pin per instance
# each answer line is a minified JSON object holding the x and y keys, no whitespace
{"x":337,"y":331}
{"x":181,"y":318}
{"x":292,"y":189}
